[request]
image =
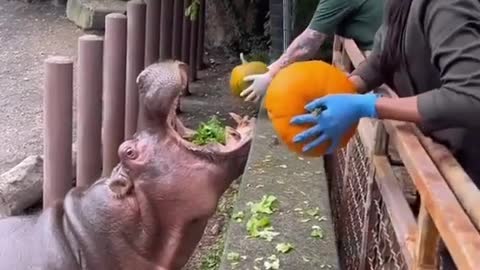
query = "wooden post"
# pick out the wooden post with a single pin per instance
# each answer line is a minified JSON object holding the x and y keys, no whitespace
{"x":166,"y":29}
{"x":193,"y":49}
{"x":89,"y":109}
{"x":58,"y":114}
{"x":152,"y":31}
{"x":186,"y":34}
{"x":114,"y":89}
{"x":201,"y":36}
{"x":136,"y":11}
{"x":179,"y":12}
{"x":426,"y":253}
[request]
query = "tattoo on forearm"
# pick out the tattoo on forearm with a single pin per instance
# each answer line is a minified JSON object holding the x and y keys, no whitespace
{"x":302,"y":48}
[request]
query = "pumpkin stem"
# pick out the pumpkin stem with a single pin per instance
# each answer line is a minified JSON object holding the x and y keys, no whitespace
{"x":243,"y":59}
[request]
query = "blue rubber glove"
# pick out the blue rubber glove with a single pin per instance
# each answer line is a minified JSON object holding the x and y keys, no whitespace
{"x":332,"y":116}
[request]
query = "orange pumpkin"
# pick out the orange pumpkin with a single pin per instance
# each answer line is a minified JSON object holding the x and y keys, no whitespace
{"x":237,"y":84}
{"x":293,"y":88}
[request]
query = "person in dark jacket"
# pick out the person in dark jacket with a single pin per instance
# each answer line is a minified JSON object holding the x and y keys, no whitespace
{"x":429,"y":53}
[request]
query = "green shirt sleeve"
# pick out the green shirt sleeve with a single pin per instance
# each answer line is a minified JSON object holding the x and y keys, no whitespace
{"x":329,"y":14}
{"x":452,"y":28}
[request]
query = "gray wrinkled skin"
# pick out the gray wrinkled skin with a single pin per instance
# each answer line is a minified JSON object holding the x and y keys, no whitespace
{"x":151,"y":211}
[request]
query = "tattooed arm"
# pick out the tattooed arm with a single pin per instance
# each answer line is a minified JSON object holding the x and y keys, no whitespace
{"x":302,"y":48}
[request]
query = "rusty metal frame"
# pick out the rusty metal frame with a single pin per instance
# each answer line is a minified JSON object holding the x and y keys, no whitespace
{"x":449,"y":199}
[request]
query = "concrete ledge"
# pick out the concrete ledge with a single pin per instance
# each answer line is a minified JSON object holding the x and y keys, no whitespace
{"x":300,"y":186}
{"x":90,"y":14}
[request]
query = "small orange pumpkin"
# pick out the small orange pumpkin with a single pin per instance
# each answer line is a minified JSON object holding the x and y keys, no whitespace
{"x":293,"y":88}
{"x":237,"y":84}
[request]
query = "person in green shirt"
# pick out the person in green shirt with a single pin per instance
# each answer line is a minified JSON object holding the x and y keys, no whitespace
{"x":355,"y":19}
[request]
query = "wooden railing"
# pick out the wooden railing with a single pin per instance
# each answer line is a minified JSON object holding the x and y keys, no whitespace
{"x":378,"y":225}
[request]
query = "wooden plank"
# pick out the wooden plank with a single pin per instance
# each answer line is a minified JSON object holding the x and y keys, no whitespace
{"x":337,"y":52}
{"x":462,"y":185}
{"x":428,"y":239}
{"x":354,"y":53}
{"x":401,"y":216}
{"x":454,"y":224}
{"x":455,"y":227}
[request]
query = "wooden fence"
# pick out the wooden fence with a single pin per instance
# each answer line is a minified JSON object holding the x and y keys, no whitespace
{"x":397,"y":196}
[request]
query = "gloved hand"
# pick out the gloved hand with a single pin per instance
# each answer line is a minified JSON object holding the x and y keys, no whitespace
{"x":258,"y":88}
{"x":332,"y":116}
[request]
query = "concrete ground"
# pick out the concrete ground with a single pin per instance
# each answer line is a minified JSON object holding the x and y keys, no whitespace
{"x":28,"y":34}
{"x":303,"y":207}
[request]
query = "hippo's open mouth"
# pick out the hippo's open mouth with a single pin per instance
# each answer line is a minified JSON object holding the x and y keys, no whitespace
{"x":161,"y":85}
{"x":235,"y":138}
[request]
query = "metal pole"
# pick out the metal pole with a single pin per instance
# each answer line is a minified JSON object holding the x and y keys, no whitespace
{"x":186,"y":34}
{"x":201,"y":35}
{"x":114,"y":88}
{"x":136,"y":11}
{"x":152,"y":31}
{"x":58,"y":113}
{"x":179,"y":12}
{"x":286,"y":24}
{"x":193,"y":49}
{"x":166,"y":31}
{"x":89,"y":109}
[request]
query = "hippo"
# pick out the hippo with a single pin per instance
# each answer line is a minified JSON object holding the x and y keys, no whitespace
{"x":151,"y":211}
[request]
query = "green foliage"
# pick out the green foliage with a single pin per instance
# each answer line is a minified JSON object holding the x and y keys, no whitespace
{"x":212,"y":131}
{"x":259,"y":224}
{"x":284,"y":247}
{"x":266,"y":206}
{"x":192,"y":10}
{"x":212,"y":260}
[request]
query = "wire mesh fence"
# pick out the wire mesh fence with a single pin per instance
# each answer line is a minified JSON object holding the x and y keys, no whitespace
{"x":366,"y":238}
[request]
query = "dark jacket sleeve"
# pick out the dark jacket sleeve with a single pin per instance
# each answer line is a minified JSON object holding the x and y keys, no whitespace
{"x":452,"y":28}
{"x":369,"y":70}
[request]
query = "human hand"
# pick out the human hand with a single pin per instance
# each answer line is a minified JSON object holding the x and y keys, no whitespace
{"x":332,"y":116}
{"x":258,"y":88}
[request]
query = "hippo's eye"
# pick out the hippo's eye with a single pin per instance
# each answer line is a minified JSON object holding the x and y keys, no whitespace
{"x":130,"y":153}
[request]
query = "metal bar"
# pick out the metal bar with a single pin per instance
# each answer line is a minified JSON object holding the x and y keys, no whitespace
{"x":114,"y":89}
{"x":177,"y":30}
{"x":89,"y":109}
{"x":427,"y":245}
{"x":152,"y":31}
{"x":201,"y":35}
{"x":58,"y":113}
{"x":368,"y":219}
{"x":186,"y":34}
{"x":286,"y":24}
{"x":166,"y":32}
{"x":379,"y":148}
{"x":136,"y":11}
{"x":193,"y":50}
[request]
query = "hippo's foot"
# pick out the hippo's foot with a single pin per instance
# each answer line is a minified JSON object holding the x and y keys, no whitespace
{"x":119,"y":184}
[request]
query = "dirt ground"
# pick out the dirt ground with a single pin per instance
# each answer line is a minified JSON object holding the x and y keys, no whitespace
{"x":31,"y":32}
{"x":28,"y":34}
